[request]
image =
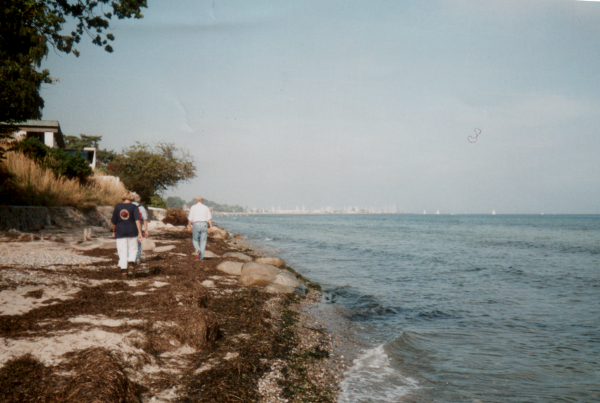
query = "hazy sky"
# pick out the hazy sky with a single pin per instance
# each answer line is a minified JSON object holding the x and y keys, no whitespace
{"x":333,"y":103}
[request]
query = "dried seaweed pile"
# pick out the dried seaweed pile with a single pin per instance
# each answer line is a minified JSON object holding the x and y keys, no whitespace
{"x":232,"y":337}
{"x":90,"y":376}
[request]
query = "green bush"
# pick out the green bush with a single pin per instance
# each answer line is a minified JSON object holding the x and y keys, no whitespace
{"x":58,"y":161}
{"x":157,"y":201}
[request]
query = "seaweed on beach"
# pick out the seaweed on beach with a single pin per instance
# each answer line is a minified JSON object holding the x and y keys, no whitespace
{"x":98,"y":377}
{"x":88,"y":376}
{"x":25,"y":379}
{"x":237,"y":333}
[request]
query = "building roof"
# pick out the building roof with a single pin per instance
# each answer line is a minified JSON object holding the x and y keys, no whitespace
{"x":39,"y":123}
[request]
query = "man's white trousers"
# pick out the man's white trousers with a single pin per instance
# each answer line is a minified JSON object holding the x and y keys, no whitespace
{"x":127,"y":249}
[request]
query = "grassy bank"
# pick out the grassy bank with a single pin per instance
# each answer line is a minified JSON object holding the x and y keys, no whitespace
{"x":30,"y":184}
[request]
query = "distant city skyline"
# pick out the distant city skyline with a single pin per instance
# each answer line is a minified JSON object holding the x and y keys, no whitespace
{"x":451,"y":105}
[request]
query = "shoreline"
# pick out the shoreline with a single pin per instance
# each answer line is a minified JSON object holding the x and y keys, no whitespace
{"x":193,"y":334}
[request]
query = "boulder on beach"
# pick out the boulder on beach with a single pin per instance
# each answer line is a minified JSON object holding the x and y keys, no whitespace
{"x":238,"y":255}
{"x":221,"y":231}
{"x":274,"y":261}
{"x":283,"y":289}
{"x":165,"y":248}
{"x":286,"y":283}
{"x":215,"y":235}
{"x":259,"y":274}
{"x":234,"y":268}
{"x":238,"y":236}
{"x":210,"y":255}
{"x":148,"y":244}
{"x":154,"y":225}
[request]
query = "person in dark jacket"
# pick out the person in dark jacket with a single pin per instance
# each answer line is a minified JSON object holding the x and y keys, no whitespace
{"x":127,"y":230}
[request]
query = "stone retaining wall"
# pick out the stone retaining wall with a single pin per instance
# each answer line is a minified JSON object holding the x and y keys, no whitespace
{"x":24,"y":218}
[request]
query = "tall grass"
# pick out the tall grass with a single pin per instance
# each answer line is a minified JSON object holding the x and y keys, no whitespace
{"x":37,"y":186}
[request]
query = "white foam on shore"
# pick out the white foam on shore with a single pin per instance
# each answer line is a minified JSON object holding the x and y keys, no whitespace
{"x":372,"y":379}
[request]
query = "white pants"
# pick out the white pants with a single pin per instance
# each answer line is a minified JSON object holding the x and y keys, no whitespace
{"x":127,"y":249}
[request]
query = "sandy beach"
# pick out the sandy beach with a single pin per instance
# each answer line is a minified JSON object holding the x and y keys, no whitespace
{"x":72,"y":329}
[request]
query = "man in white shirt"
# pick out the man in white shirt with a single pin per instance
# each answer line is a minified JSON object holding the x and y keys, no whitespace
{"x":199,"y":220}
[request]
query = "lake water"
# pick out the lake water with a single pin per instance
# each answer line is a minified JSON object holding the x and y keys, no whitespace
{"x":465,"y":308}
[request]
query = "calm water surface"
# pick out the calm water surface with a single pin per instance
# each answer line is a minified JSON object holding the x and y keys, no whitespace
{"x":454,"y":308}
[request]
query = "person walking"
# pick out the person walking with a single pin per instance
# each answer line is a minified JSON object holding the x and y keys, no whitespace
{"x":144,"y":223}
{"x":199,"y":221}
{"x":127,"y":231}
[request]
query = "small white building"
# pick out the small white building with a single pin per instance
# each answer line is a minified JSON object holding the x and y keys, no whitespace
{"x":49,"y":133}
{"x":46,"y":131}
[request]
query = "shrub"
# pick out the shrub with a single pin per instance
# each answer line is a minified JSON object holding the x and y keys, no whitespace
{"x":60,"y":162}
{"x":176,"y":216}
{"x":157,"y":201}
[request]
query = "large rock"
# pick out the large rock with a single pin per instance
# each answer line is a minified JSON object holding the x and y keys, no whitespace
{"x":283,"y":289}
{"x":286,"y":283}
{"x":234,"y":268}
{"x":148,"y":244}
{"x":274,"y":261}
{"x":238,"y":255}
{"x":259,"y":274}
{"x":154,"y":225}
{"x":221,"y":231}
{"x":165,"y":248}
{"x":210,"y":255}
{"x":215,"y":235}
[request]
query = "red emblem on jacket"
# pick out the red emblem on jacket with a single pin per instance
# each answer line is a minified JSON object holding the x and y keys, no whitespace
{"x":124,"y":214}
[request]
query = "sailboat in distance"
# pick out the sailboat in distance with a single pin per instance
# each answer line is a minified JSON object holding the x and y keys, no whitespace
{"x":424,"y":212}
{"x":437,"y":212}
{"x":493,"y":212}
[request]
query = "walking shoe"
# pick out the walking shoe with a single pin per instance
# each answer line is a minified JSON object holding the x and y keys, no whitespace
{"x":124,"y":272}
{"x":130,"y":268}
{"x":197,"y":254}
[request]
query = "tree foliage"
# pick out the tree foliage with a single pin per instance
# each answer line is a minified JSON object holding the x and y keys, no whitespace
{"x":222,"y":208}
{"x":157,"y":201}
{"x":29,"y":27}
{"x":150,"y":171}
{"x":103,"y":156}
{"x":79,"y":143}
{"x":174,"y":202}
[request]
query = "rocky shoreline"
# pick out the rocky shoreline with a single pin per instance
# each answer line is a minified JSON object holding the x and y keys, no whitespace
{"x":71,"y":329}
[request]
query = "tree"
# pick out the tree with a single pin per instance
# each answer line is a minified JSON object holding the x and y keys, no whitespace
{"x":28,"y":27}
{"x":173,"y":202}
{"x":103,"y":156}
{"x":150,"y":171}
{"x":79,"y":143}
{"x":222,"y":208}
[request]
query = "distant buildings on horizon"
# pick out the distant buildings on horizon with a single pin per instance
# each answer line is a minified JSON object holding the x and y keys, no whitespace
{"x":391,"y":209}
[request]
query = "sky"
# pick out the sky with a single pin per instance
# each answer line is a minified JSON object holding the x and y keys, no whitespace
{"x":450,"y":105}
